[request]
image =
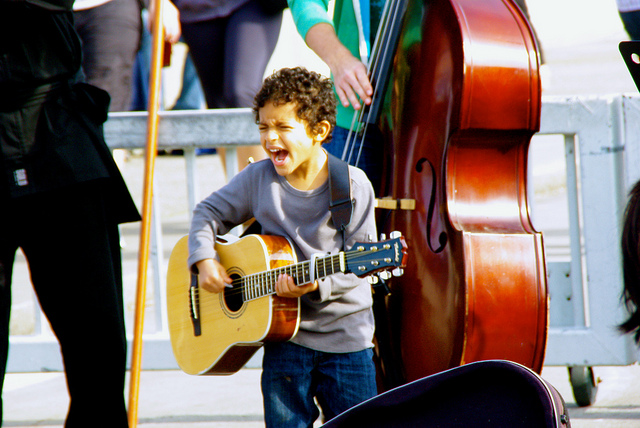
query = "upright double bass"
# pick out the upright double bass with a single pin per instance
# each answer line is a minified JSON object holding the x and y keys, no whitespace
{"x":460,"y":106}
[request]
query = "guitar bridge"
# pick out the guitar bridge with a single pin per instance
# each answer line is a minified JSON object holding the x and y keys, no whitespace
{"x":194,"y":305}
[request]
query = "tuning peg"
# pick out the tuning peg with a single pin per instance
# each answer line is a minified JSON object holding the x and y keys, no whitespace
{"x":398,"y":272}
{"x":383,"y":237}
{"x":384,"y":275}
{"x":372,"y":279}
{"x":395,"y":234}
{"x":370,"y":237}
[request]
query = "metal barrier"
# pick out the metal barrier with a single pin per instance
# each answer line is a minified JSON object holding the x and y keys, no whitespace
{"x":601,"y":143}
{"x":601,"y":154}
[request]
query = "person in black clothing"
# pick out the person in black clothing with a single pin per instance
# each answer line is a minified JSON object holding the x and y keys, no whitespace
{"x":62,"y":199}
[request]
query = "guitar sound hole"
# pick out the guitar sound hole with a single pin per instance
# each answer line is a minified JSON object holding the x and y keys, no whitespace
{"x":233,"y":297}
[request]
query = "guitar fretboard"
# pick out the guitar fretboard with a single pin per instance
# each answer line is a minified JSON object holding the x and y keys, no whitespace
{"x":264,"y":283}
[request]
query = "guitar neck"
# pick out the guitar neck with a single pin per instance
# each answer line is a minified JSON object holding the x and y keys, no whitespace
{"x":263,"y":284}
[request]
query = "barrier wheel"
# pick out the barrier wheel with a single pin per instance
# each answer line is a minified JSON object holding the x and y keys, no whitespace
{"x":584,"y":385}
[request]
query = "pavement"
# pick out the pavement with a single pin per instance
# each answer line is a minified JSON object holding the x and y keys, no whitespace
{"x":173,"y":399}
{"x":581,"y":49}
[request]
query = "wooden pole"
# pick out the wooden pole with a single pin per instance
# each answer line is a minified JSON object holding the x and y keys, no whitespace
{"x":143,"y":255}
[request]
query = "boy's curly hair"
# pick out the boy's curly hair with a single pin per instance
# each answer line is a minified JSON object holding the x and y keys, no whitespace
{"x":312,"y":94}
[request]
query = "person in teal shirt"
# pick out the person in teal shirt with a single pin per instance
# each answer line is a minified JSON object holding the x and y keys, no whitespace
{"x":344,"y":44}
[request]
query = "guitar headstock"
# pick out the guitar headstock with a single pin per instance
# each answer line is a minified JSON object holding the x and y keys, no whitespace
{"x":366,"y":258}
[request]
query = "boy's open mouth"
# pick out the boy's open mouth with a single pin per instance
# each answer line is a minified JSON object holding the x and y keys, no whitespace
{"x":279,"y":156}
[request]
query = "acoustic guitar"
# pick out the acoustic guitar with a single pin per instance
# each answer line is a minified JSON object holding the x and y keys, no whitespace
{"x":217,"y":334}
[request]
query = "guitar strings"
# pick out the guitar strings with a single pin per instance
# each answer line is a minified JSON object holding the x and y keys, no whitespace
{"x":211,"y":300}
{"x":243,"y":283}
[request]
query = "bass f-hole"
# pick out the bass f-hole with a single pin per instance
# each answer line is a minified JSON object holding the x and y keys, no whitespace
{"x":442,"y":237}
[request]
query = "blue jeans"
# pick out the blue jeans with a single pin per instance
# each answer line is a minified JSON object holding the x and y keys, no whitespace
{"x":293,"y":375}
{"x":371,"y":157}
{"x":631,"y":22}
{"x":191,"y":95}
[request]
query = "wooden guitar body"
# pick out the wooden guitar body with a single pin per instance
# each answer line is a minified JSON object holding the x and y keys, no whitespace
{"x":218,"y":333}
{"x":232,"y":330}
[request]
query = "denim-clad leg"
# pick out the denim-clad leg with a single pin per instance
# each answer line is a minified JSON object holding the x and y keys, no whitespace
{"x":293,"y":375}
{"x":191,"y":96}
{"x":287,"y":386}
{"x":371,"y":156}
{"x":345,"y":380}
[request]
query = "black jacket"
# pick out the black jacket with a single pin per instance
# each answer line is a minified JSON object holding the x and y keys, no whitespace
{"x":51,"y":132}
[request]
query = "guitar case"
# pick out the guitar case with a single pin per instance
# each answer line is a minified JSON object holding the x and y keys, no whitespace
{"x":483,"y":394}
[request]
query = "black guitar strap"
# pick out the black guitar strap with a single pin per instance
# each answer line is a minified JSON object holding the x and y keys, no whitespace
{"x":341,"y":205}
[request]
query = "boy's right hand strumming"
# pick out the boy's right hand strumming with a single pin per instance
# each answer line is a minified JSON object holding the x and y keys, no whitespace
{"x":212,"y":276}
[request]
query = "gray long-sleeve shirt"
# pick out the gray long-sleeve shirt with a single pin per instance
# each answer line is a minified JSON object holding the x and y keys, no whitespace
{"x":337,"y":317}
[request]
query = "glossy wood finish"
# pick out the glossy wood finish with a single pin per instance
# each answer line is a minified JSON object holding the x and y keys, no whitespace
{"x":155,"y":83}
{"x":230,"y":336}
{"x":461,"y":107}
{"x":218,"y":333}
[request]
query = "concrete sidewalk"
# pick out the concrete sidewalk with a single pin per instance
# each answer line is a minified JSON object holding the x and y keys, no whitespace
{"x":167,"y":399}
{"x":172,"y":399}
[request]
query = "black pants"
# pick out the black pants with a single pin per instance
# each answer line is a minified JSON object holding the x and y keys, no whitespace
{"x":232,"y":52}
{"x":73,"y":251}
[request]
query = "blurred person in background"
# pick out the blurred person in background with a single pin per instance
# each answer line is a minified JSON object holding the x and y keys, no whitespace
{"x":191,"y":96}
{"x":231,"y":43}
{"x":110,"y":31}
{"x":629,"y":11}
{"x":337,"y":41}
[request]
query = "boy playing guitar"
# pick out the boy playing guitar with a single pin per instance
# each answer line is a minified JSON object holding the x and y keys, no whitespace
{"x":330,"y":357}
